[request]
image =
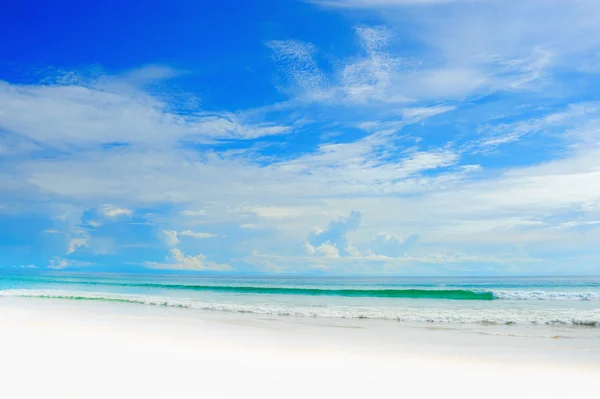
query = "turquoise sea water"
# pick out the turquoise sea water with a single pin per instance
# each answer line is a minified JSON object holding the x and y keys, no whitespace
{"x":565,"y":301}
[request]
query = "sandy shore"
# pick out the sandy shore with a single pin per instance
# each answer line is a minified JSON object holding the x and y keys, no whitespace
{"x":57,"y":349}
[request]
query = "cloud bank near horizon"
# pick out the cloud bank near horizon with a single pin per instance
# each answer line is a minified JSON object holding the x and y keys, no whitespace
{"x":414,"y":138}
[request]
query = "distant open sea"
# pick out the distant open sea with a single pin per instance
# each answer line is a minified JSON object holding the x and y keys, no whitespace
{"x":564,"y":301}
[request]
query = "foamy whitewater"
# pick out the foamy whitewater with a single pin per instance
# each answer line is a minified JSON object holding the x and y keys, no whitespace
{"x":551,"y":301}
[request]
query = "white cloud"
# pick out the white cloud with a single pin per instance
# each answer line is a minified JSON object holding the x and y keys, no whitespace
{"x":294,"y":195}
{"x":297,"y":61}
{"x":572,"y":224}
{"x":150,"y":74}
{"x":471,"y":168}
{"x":66,"y":116}
{"x":470,"y":48}
{"x":358,"y":80}
{"x":370,"y":77}
{"x":112,"y":211}
{"x":180,"y":261}
{"x":58,"y":264}
{"x":121,"y":145}
{"x":62,"y":263}
{"x":326,"y":250}
{"x":248,"y":226}
{"x":170,"y":238}
{"x":504,"y":133}
{"x":200,"y":212}
{"x":422,"y":161}
{"x":76,"y":243}
{"x":327,"y":242}
{"x":76,"y":115}
{"x":194,"y":234}
{"x":317,"y":230}
{"x":419,"y":113}
{"x":380,"y":75}
{"x":448,"y":82}
{"x":377,"y":264}
{"x":530,"y":69}
{"x":230,"y":127}
{"x":285,"y":212}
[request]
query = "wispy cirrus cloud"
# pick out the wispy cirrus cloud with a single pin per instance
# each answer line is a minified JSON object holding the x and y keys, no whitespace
{"x":367,"y":77}
{"x":503,"y":133}
{"x":300,"y":69}
{"x":436,"y":140}
{"x":64,"y":116}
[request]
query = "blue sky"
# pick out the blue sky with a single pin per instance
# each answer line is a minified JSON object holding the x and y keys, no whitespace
{"x":409,"y":137}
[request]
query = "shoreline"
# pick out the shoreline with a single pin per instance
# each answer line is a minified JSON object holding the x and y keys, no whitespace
{"x":158,"y":349}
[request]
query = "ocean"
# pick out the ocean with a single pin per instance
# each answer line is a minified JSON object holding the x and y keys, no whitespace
{"x":549,"y":301}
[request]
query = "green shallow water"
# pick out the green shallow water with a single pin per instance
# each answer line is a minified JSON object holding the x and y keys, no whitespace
{"x":378,"y":293}
{"x":235,"y":288}
{"x":453,"y":294}
{"x":552,"y":301}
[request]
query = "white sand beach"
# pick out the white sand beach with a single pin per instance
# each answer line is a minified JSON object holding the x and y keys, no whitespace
{"x":59,"y":349}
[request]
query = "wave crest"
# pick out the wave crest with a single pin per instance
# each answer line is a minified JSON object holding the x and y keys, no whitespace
{"x":546,"y":296}
{"x":590,"y":318}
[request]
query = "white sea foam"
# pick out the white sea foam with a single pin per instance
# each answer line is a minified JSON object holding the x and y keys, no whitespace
{"x":547,"y":295}
{"x":587,"y":317}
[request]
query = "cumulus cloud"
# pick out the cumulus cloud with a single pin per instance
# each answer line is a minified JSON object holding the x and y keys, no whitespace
{"x":170,"y":238}
{"x":405,"y":130}
{"x":112,"y":211}
{"x":75,"y":243}
{"x":179,"y":261}
{"x":326,"y":250}
{"x":421,"y":187}
{"x":328,"y":242}
{"x":391,"y":244}
{"x":58,"y":264}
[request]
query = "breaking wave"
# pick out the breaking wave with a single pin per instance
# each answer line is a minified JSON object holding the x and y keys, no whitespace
{"x":589,"y":317}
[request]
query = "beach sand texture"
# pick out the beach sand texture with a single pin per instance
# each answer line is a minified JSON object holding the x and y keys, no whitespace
{"x":54,"y":349}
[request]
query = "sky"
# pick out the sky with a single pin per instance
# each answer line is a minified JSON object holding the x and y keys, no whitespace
{"x":323,"y":137}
